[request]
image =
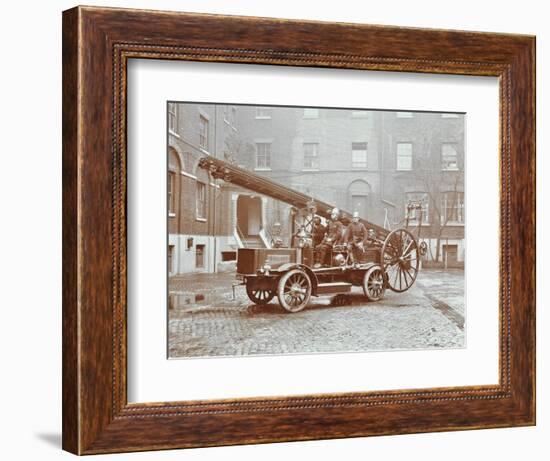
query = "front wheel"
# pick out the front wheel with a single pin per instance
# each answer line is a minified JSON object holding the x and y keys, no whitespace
{"x":374,"y":283}
{"x":294,"y":290}
{"x":259,"y":296}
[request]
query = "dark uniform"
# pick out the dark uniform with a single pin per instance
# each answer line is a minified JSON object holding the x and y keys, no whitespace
{"x":355,"y":238}
{"x":333,"y":236}
{"x":318,"y":233}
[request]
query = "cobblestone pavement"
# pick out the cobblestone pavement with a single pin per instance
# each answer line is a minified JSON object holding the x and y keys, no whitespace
{"x":205,"y":320}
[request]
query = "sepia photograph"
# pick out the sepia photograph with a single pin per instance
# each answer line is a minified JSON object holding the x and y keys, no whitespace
{"x":306,"y":230}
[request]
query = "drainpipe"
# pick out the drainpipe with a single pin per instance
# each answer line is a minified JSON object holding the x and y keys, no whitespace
{"x":215,"y":182}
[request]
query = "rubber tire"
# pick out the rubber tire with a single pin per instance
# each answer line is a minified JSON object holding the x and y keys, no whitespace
{"x":281,"y":287}
{"x":367,"y":277}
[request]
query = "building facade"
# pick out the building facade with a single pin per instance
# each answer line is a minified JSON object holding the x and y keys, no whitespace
{"x":198,"y":229}
{"x":373,"y":162}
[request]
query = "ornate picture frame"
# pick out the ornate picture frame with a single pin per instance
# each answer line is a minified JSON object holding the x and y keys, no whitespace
{"x":97,"y":44}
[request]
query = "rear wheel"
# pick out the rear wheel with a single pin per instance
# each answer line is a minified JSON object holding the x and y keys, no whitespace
{"x":400,"y":258}
{"x":259,"y":296}
{"x":294,"y":290}
{"x":374,"y":283}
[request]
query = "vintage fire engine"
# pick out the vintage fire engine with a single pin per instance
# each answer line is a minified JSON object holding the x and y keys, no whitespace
{"x":390,"y":259}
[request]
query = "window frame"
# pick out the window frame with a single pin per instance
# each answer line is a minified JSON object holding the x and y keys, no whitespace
{"x":171,"y":192}
{"x":203,"y":137}
{"x":173,"y":118}
{"x":200,"y":205}
{"x":398,"y":156}
{"x":425,"y":207}
{"x":266,"y":156}
{"x":363,"y":165}
{"x":458,"y":210}
{"x":314,"y":157}
{"x":263,"y":116}
{"x":311,"y":113}
{"x":442,"y":155}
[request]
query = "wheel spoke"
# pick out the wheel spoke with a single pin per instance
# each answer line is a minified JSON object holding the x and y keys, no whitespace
{"x":412,"y":278}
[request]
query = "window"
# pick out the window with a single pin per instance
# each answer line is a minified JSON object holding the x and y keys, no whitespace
{"x":404,"y":114}
{"x":449,"y":157}
{"x":263,"y":155}
{"x":311,"y":113}
{"x":404,"y":156}
{"x":201,"y":200}
{"x":172,"y":117}
{"x":452,"y":207}
{"x":311,"y":159}
{"x":199,"y":256}
{"x":170,"y":259}
{"x":171,"y":192}
{"x":449,"y":115}
{"x":263,"y":112}
{"x":359,"y":154}
{"x":418,"y":198}
{"x":359,"y":114}
{"x":203,"y":133}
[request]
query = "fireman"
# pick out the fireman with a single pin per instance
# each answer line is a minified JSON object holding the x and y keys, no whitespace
{"x":355,"y":238}
{"x":333,"y":236}
{"x":318,"y":231}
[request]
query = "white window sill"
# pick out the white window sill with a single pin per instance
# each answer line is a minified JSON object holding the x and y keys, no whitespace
{"x":450,"y":169}
{"x":189,"y":175}
{"x":262,"y":169}
{"x":173,"y":133}
{"x":415,"y":223}
{"x":454,"y":223}
{"x":202,"y":149}
{"x":171,"y":215}
{"x":403,"y":169}
{"x":310,"y":169}
{"x":200,"y":219}
{"x":263,"y":117}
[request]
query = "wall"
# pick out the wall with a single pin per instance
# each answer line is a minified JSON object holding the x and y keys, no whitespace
{"x":31,"y":255}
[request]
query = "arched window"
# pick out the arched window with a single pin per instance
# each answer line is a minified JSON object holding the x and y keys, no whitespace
{"x":172,"y":188}
{"x":201,"y":195}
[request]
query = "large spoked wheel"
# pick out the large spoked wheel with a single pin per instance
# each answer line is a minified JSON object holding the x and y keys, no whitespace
{"x":294,"y":290}
{"x":400,"y":260}
{"x":260,"y":297}
{"x":374,"y":283}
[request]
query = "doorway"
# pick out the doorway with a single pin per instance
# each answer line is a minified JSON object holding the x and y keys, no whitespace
{"x":359,"y":203}
{"x":249,"y":215}
{"x":450,"y":255}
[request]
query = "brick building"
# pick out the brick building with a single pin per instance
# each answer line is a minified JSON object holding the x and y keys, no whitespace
{"x":372,"y":162}
{"x":367,"y":161}
{"x":198,"y":220}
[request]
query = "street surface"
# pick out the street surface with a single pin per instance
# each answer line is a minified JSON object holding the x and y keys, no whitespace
{"x":205,"y":320}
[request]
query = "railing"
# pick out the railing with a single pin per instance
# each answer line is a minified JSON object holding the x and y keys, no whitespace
{"x":266,"y":237}
{"x":239,"y":236}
